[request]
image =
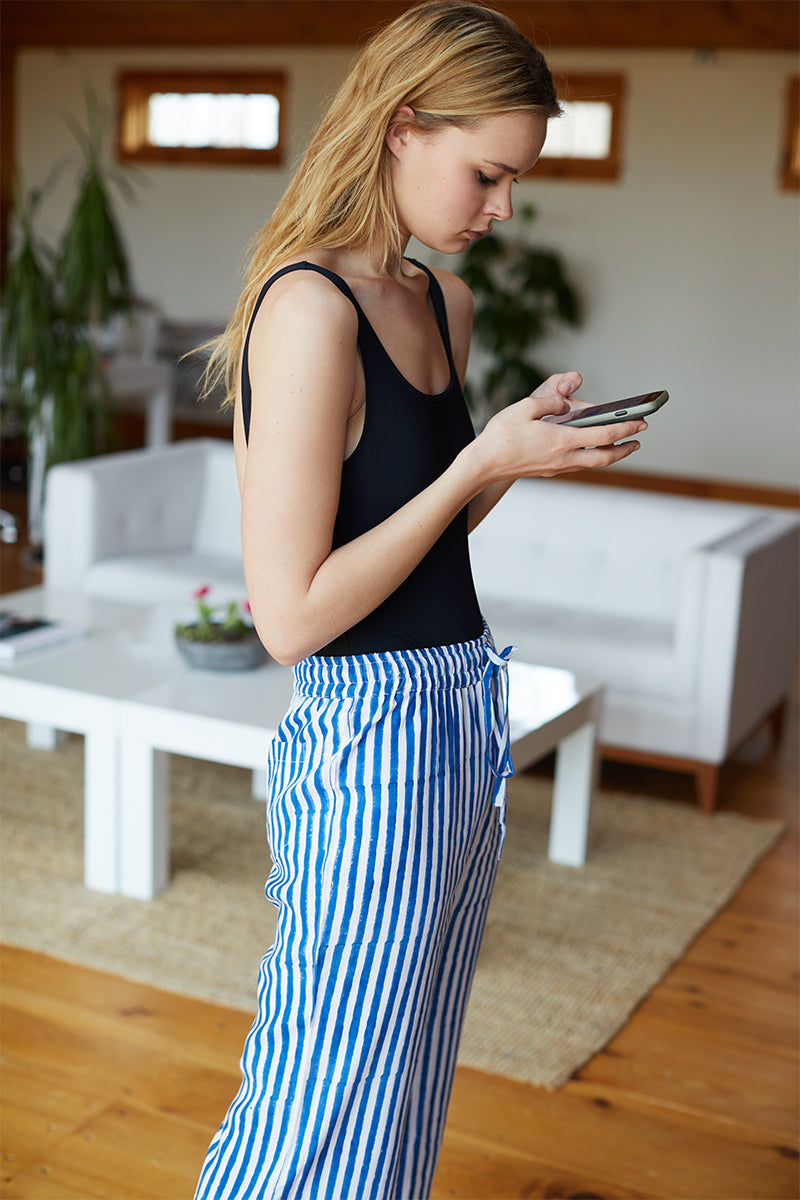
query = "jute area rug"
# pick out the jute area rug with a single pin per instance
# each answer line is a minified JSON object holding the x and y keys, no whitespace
{"x":567,"y":956}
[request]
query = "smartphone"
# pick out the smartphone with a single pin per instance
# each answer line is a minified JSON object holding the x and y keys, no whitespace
{"x":610,"y":414}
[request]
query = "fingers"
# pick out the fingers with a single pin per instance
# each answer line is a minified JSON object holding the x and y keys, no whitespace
{"x":605,"y":456}
{"x":604,"y":435}
{"x":609,"y":444}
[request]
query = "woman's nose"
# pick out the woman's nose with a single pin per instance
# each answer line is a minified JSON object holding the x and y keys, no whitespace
{"x":500,"y":207}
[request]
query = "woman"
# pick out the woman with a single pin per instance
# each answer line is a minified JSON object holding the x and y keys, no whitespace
{"x":360,"y":479}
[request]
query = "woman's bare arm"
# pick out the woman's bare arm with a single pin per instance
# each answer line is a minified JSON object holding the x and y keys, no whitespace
{"x":303,"y":367}
{"x":460,"y":312}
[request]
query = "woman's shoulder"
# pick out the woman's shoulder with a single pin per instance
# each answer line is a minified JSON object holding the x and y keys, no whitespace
{"x":298,"y":292}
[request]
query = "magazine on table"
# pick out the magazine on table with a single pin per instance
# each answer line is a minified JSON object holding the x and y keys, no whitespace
{"x":20,"y":634}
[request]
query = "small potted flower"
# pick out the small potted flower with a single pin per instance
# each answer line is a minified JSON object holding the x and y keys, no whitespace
{"x":222,"y":638}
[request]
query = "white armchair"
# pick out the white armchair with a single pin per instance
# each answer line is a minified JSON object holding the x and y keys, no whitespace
{"x":146,"y":525}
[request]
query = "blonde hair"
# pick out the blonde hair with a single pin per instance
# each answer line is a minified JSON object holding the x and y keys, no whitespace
{"x":452,"y":63}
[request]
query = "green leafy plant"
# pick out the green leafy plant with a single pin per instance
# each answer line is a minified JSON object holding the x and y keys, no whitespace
{"x":53,"y":301}
{"x":51,"y":374}
{"x":521,"y":293}
{"x":92,"y":264}
{"x":217,"y":623}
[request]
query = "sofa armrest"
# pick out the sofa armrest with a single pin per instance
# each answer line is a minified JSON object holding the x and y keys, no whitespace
{"x":117,"y":504}
{"x":749,"y":629}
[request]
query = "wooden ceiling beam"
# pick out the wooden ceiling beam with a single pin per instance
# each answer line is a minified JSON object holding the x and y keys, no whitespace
{"x":633,"y":24}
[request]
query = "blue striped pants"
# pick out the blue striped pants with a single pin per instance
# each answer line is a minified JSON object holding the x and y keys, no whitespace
{"x":385,"y":819}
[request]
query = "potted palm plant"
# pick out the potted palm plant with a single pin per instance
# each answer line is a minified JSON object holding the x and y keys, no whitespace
{"x":521,"y":293}
{"x":55,"y":302}
{"x":93,"y":268}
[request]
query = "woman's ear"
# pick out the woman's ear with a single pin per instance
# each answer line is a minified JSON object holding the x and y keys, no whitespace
{"x":399,"y":127}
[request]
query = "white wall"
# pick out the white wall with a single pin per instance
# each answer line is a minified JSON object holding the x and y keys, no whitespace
{"x":688,"y":267}
{"x":190,"y":228}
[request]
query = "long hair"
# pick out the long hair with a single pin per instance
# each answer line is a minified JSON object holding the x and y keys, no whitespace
{"x":452,"y":63}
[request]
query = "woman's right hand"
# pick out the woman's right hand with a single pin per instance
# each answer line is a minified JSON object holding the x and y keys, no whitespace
{"x":516,"y":442}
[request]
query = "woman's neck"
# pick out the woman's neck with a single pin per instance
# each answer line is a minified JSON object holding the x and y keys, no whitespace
{"x":365,"y":262}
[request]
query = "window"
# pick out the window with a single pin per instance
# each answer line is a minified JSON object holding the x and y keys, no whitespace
{"x":790,"y":159}
{"x":585,"y":143}
{"x":200,"y":117}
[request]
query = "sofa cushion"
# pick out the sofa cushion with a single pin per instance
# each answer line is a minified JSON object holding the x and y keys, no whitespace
{"x":167,"y":577}
{"x":601,"y":550}
{"x":625,"y":653}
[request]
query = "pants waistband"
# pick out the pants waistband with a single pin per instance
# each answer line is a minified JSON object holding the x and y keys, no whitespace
{"x":431,"y":668}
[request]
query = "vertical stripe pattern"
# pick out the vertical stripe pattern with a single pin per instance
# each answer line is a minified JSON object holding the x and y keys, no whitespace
{"x":384,"y":832}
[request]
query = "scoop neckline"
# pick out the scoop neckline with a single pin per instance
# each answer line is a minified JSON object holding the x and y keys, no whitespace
{"x":448,"y":353}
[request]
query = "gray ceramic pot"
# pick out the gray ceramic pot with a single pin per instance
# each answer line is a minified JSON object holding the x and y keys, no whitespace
{"x":240,"y":655}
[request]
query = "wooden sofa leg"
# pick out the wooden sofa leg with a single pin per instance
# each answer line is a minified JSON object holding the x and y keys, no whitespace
{"x":706,"y":775}
{"x":707,"y":782}
{"x":776,"y":720}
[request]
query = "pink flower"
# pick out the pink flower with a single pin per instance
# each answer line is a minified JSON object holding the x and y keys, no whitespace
{"x":201,"y":592}
{"x":246,"y":607}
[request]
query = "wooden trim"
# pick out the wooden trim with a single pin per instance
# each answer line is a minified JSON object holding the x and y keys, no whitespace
{"x":679,"y":485}
{"x":201,"y":156}
{"x":588,"y":170}
{"x":134,"y":89}
{"x":790,"y":154}
{"x":634,"y":24}
{"x":7,"y":151}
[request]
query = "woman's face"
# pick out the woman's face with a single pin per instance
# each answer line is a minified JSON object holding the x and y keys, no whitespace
{"x":450,"y":185}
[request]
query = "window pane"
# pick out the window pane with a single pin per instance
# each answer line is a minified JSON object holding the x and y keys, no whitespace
{"x":213,"y":119}
{"x":260,"y":122}
{"x":584,"y":131}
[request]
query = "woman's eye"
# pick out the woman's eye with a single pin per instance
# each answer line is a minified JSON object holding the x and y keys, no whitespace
{"x":485,"y":180}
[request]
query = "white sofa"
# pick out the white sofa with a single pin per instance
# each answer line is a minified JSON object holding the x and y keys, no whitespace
{"x":686,"y":609}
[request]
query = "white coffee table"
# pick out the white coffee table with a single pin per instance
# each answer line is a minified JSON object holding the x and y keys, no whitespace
{"x":125,"y":688}
{"x":75,"y":687}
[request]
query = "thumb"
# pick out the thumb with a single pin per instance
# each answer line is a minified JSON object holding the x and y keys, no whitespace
{"x":551,"y":404}
{"x":569,"y":383}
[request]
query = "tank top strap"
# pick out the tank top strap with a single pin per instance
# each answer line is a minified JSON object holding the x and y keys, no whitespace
{"x":439,"y":308}
{"x":247,"y":391}
{"x":365,"y":329}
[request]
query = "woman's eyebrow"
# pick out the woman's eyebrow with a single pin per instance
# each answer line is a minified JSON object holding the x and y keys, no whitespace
{"x":504,"y":167}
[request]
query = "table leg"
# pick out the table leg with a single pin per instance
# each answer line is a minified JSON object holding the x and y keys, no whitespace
{"x":576,"y":770}
{"x":100,"y":810}
{"x":44,"y":737}
{"x":144,"y":819}
{"x":158,"y":422}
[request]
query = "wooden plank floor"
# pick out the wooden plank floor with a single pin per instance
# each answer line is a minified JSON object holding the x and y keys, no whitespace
{"x":113,"y":1089}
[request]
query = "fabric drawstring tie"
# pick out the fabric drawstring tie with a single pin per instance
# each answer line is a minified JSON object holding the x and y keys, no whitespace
{"x":498,"y":734}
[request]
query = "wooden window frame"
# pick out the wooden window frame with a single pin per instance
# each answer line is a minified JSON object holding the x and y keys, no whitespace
{"x":611,"y":89}
{"x":790,"y":156}
{"x":134,"y":89}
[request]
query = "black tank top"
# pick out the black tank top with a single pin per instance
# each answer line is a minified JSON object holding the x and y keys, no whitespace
{"x":408,"y":440}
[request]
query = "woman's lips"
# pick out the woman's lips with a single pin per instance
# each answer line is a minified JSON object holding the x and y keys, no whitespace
{"x":475,"y":235}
